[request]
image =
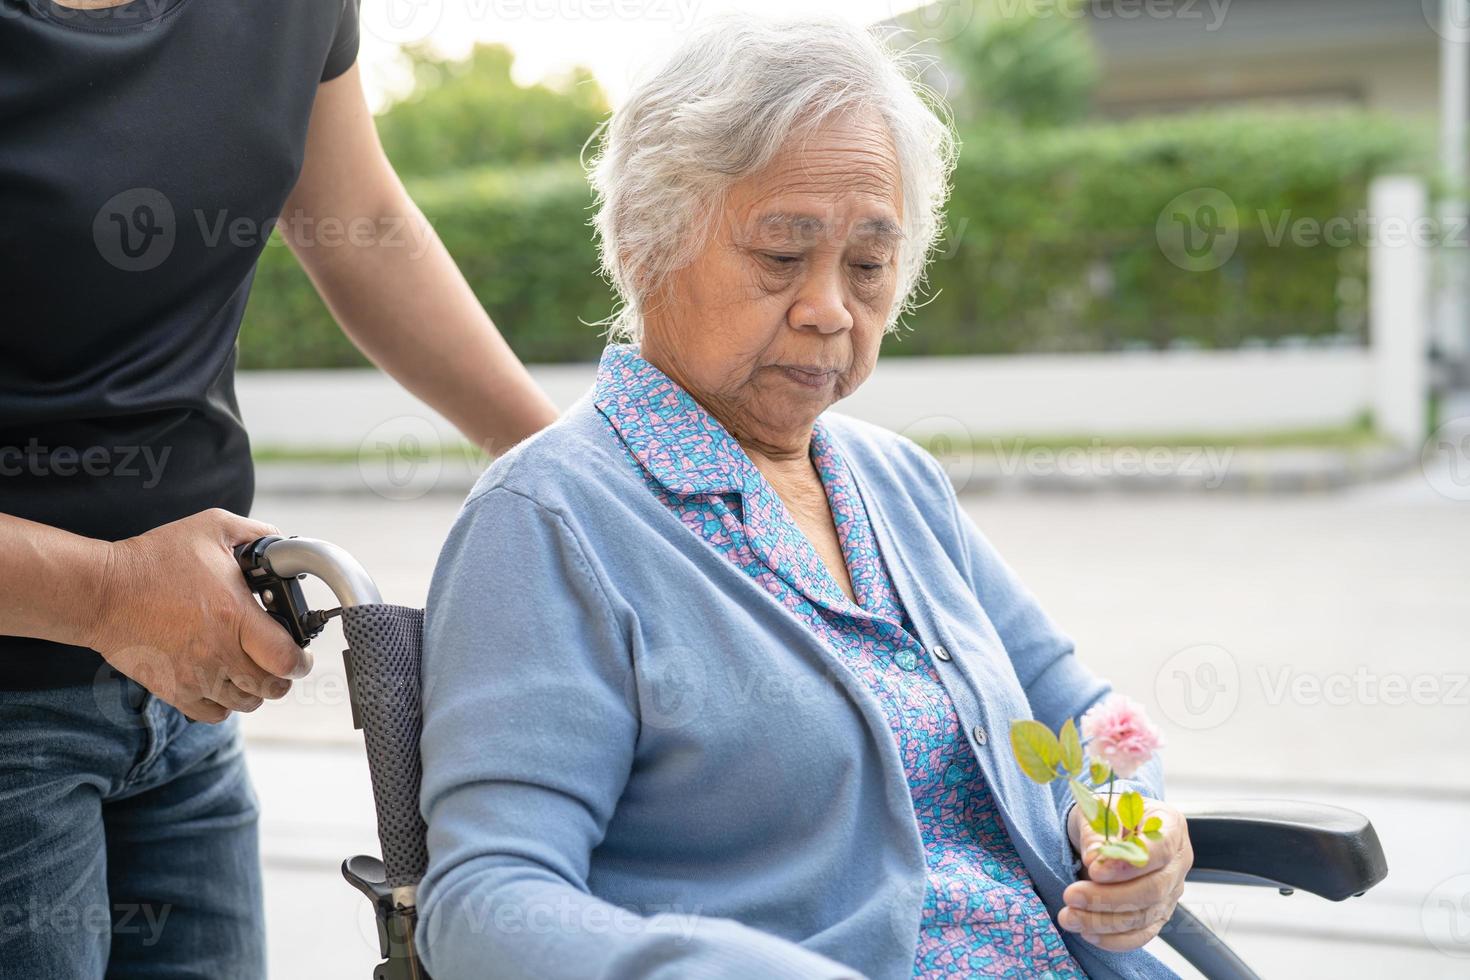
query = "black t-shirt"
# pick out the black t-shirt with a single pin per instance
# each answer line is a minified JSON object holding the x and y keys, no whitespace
{"x":145,"y":152}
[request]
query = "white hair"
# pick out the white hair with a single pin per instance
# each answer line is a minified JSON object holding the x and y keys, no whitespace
{"x":720,"y":109}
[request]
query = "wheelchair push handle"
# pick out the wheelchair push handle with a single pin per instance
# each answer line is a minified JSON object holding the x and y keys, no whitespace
{"x":382,"y":662}
{"x":273,"y":567}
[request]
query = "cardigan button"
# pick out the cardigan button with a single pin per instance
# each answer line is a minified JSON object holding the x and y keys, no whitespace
{"x":980,"y":737}
{"x":940,"y":653}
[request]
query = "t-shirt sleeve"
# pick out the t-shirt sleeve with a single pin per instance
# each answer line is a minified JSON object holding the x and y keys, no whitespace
{"x":343,"y":51}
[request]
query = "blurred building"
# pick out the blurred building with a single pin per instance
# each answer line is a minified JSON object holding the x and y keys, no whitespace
{"x":1373,"y":54}
{"x":1179,"y":55}
{"x":1396,"y":57}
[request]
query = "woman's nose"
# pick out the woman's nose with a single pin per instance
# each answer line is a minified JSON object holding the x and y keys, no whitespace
{"x":821,"y":305}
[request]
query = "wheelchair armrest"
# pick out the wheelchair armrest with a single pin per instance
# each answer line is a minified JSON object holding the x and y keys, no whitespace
{"x":396,"y":922}
{"x":1326,"y":850}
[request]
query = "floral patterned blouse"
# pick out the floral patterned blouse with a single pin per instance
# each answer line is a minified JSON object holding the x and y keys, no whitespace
{"x":981,"y":915}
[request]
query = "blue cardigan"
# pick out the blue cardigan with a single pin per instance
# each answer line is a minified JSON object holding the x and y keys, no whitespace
{"x":638,"y":764}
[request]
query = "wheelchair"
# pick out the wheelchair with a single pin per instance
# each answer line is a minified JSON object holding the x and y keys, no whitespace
{"x":1325,"y":850}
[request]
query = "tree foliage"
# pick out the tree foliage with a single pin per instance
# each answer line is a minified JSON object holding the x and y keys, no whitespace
{"x":469,"y":113}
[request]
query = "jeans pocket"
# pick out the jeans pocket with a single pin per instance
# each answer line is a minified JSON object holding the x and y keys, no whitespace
{"x":137,"y":697}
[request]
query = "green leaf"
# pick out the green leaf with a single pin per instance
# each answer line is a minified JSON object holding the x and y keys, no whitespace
{"x":1154,"y":834}
{"x":1087,"y":801}
{"x":1071,"y":748}
{"x":1130,"y":809}
{"x":1153,"y":825}
{"x":1125,"y":850}
{"x":1098,"y":773}
{"x":1037,"y":750}
{"x":1106,"y":821}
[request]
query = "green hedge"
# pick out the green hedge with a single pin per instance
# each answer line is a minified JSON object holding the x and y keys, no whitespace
{"x":1053,"y":242}
{"x":469,"y":112}
{"x":522,"y":238}
{"x":1051,"y":246}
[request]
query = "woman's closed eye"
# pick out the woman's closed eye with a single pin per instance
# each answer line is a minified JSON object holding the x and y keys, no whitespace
{"x":869,"y":275}
{"x":784,"y":261}
{"x":777,"y":271}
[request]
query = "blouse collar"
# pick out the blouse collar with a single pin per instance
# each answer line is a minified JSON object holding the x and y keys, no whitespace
{"x":688,"y":452}
{"x":672,"y":436}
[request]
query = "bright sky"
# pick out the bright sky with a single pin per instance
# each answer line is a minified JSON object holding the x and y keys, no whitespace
{"x":616,"y":39}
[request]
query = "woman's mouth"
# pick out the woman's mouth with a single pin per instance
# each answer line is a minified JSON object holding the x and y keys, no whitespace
{"x":808,"y":377}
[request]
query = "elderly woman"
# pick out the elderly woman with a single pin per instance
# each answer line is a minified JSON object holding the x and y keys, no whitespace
{"x":718,"y":682}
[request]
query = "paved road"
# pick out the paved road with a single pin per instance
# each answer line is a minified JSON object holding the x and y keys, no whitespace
{"x":1310,"y":647}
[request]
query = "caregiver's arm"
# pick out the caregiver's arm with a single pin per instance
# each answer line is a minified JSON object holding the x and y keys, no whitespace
{"x":387,"y":278}
{"x":529,"y":734}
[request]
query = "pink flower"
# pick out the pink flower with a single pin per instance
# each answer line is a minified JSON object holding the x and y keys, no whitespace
{"x":1118,"y":732}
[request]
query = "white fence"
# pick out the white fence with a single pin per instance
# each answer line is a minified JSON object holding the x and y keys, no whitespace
{"x":1193,"y":392}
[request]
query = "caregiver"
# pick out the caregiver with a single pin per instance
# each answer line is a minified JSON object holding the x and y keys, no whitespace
{"x":146,"y":149}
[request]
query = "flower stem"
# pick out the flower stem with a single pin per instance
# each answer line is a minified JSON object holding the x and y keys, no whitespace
{"x":1107,"y":819}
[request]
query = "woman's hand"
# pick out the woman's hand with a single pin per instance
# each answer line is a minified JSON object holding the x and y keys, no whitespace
{"x":1118,"y":907}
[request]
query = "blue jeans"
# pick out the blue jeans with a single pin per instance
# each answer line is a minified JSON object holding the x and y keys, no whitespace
{"x":128,"y":839}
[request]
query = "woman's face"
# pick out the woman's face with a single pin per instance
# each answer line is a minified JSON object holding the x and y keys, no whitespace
{"x":783,"y":311}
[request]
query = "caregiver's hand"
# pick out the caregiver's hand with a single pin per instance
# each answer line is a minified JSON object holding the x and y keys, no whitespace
{"x":1119,"y":907}
{"x":176,"y":616}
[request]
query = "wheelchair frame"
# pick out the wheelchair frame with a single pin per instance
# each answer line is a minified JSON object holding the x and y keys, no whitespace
{"x":1328,"y":851}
